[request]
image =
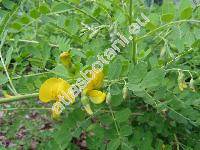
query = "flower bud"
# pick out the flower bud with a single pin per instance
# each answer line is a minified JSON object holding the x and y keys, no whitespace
{"x":84,"y":100}
{"x":191,"y":84}
{"x":86,"y":104}
{"x":88,"y":109}
{"x":93,"y":34}
{"x":65,"y":58}
{"x":181,"y":81}
{"x":125,"y":92}
{"x":108,"y":98}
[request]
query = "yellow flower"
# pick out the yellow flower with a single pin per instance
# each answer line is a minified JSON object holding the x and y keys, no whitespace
{"x":57,"y":88}
{"x":53,"y":88}
{"x":97,"y":97}
{"x":96,"y":81}
{"x":65,"y":58}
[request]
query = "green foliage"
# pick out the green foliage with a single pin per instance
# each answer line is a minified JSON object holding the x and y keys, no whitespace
{"x":159,"y":112}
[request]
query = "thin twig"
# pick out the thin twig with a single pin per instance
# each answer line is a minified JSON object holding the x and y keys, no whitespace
{"x":113,"y":117}
{"x":188,"y":119}
{"x":177,"y":57}
{"x":165,"y":25}
{"x":3,"y":63}
{"x":33,"y":42}
{"x":176,"y":141}
{"x":11,"y":109}
{"x":18,"y":98}
{"x":32,"y":75}
{"x":82,"y":11}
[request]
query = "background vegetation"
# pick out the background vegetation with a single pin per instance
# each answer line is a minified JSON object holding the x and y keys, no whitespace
{"x":160,"y":67}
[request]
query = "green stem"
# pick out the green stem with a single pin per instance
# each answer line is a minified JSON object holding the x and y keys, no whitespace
{"x":130,"y":11}
{"x":22,"y":109}
{"x":4,"y":65}
{"x":82,"y":11}
{"x":18,"y":98}
{"x":132,"y":44}
{"x":32,"y":75}
{"x":115,"y":122}
{"x":177,"y":57}
{"x":33,"y":42}
{"x":3,"y":34}
{"x":166,"y":25}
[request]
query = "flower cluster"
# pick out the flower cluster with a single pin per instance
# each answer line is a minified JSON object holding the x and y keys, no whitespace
{"x":57,"y":89}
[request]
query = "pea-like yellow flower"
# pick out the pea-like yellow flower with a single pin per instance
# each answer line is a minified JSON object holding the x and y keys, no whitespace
{"x":53,"y":88}
{"x":65,"y":58}
{"x":57,"y":88}
{"x":97,"y":97}
{"x":96,"y":80}
{"x":95,"y":83}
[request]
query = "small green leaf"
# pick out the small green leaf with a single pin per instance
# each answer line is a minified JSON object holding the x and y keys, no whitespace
{"x":44,"y":9}
{"x":115,"y":69}
{"x":106,"y":119}
{"x":116,"y":100}
{"x":34,"y":13}
{"x":126,"y":130}
{"x":61,"y":6}
{"x":186,"y":13}
{"x":16,"y":26}
{"x":135,"y":87}
{"x":153,"y":78}
{"x":8,"y":4}
{"x":60,"y":70}
{"x":137,"y":72}
{"x":167,"y":17}
{"x":114,"y":144}
{"x":123,"y":115}
{"x":3,"y":79}
{"x":8,"y":56}
{"x":24,"y":19}
{"x":168,"y":11}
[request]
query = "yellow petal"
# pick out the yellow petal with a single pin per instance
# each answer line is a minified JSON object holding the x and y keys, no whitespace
{"x":65,"y":58}
{"x":97,"y":97}
{"x":96,"y":81}
{"x":52,"y":88}
{"x":65,"y":91}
